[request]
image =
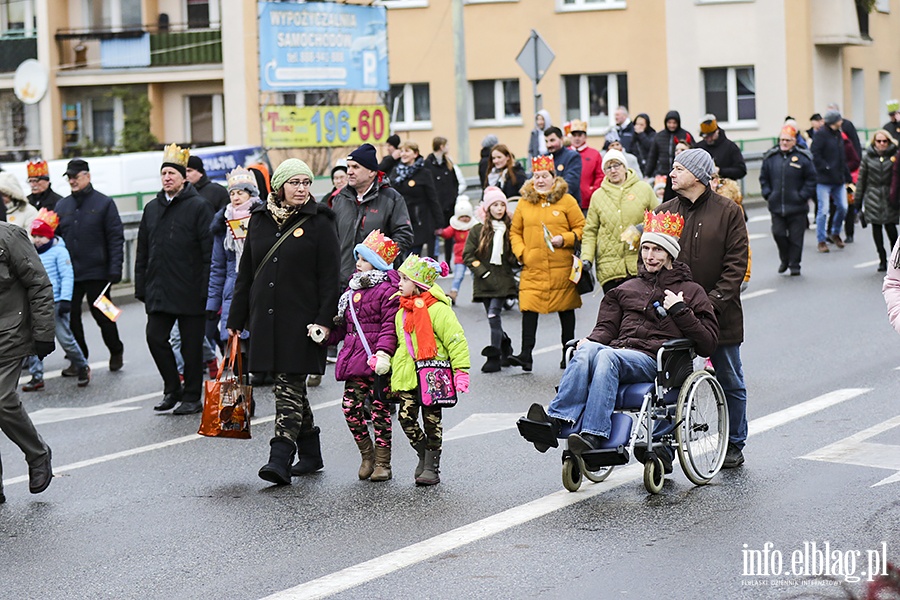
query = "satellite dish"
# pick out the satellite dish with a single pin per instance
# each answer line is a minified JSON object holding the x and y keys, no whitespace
{"x":30,"y":81}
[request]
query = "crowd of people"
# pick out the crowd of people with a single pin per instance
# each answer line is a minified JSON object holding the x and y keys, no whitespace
{"x":217,"y":261}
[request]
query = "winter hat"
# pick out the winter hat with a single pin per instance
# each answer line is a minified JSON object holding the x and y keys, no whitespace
{"x":289,"y":168}
{"x":698,"y":162}
{"x":76,"y":166}
{"x":832,"y":117}
{"x":378,"y":249}
{"x":242,"y":179}
{"x":338,"y":167}
{"x":176,"y":157}
{"x":612,"y":135}
{"x":45,"y":223}
{"x":663,"y":229}
{"x":614,"y":155}
{"x":365,"y":156}
{"x":659,"y":183}
{"x":463,"y":208}
{"x":492,"y":195}
{"x":196,"y":163}
{"x":708,"y":124}
{"x":9,"y":186}
{"x":893,"y":105}
{"x":423,"y":271}
{"x":489,"y":141}
{"x":38,"y":168}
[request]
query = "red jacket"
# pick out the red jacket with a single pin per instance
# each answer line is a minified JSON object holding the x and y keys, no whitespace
{"x":459,"y":242}
{"x":591,"y":174}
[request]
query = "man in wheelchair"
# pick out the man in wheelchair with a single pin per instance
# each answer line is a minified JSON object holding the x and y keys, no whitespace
{"x":662,"y":303}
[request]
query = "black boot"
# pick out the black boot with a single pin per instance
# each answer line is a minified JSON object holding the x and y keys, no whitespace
{"x":506,"y":350}
{"x":522,"y":359}
{"x":281,"y":455}
{"x":309,"y":453}
{"x":492,"y":364}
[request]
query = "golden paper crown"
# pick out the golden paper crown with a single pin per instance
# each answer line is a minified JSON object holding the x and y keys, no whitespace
{"x":578,"y":125}
{"x":382,"y":245}
{"x":240,"y":176}
{"x":49,"y":217}
{"x":38,"y":168}
{"x":542,"y":163}
{"x":666,"y":223}
{"x":176,"y":155}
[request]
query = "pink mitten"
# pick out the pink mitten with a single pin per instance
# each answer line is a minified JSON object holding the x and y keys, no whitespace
{"x":461,"y":379}
{"x":371,"y":362}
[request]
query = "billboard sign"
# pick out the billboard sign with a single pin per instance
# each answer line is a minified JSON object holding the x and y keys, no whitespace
{"x":322,"y":46}
{"x":324,"y":126}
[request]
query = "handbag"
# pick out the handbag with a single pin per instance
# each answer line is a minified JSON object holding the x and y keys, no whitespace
{"x":226,"y":400}
{"x":379,"y":385}
{"x":435,"y":377}
{"x":585,"y":284}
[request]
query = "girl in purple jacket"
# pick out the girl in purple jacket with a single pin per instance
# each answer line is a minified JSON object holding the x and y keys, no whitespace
{"x":365,"y":322}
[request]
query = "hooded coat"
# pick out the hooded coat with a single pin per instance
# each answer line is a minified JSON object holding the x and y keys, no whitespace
{"x":643,"y":142}
{"x":727,"y":156}
{"x":873,"y":187}
{"x":296,"y":287}
{"x":613,"y":209}
{"x":544,"y":285}
{"x":446,"y":186}
{"x":662,"y":151}
{"x":534,"y":142}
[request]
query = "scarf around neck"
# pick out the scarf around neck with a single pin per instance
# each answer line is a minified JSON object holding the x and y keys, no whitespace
{"x":281,"y":213}
{"x":403,"y":172}
{"x":417,"y":320}
{"x":237,"y":214}
{"x":360,"y":280}
{"x":497,"y":247}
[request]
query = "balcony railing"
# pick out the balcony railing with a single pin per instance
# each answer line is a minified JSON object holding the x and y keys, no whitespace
{"x":138,"y":47}
{"x":13,"y":50}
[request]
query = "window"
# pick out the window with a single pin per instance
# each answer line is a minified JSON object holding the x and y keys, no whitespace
{"x":731,"y":94}
{"x":883,"y":6}
{"x":110,"y":14}
{"x":495,"y":102}
{"x":410,"y":105}
{"x":202,"y":14}
{"x":576,"y":5}
{"x":592,"y":97}
{"x":403,"y":3}
{"x":205,"y":116}
{"x":858,"y":97}
{"x":884,"y":94}
{"x":17,"y":18}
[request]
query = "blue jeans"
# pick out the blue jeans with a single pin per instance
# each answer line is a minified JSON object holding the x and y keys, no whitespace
{"x":590,"y":383}
{"x":727,"y":362}
{"x":823,"y":193}
{"x":175,"y":340}
{"x":459,"y":273}
{"x":66,"y":340}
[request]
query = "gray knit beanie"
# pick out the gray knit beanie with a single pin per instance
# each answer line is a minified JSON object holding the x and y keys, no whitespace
{"x":698,"y":162}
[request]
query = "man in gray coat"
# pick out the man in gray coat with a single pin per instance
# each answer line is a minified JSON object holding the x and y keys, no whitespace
{"x":26,"y":327}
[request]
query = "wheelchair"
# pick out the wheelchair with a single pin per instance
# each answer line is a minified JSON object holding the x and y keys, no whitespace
{"x":682,"y":411}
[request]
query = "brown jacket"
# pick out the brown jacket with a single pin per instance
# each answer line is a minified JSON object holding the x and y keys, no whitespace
{"x":628,"y":319}
{"x":714,"y":245}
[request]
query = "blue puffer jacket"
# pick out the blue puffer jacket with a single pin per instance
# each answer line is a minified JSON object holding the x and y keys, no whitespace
{"x":58,"y":265}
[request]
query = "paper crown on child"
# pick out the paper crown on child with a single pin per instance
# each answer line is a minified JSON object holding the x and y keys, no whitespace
{"x":38,"y":168}
{"x":663,"y":229}
{"x":423,"y":271}
{"x":45,"y":223}
{"x":542,"y":163}
{"x":380,"y":250}
{"x":576,"y":125}
{"x":242,"y":179}
{"x":176,"y":157}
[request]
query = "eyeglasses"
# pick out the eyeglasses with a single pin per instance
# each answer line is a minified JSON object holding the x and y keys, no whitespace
{"x":612,"y":166}
{"x":299,"y":183}
{"x":881,"y":141}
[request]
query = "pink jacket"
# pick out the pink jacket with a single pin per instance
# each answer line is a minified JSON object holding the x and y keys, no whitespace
{"x":891,"y":291}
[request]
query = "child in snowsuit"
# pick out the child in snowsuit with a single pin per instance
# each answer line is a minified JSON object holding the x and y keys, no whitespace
{"x":426,"y":328}
{"x":460,"y":224}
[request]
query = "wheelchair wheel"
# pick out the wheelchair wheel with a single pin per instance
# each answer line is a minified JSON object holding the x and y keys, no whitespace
{"x":597,"y":476}
{"x":571,"y":473}
{"x":654,"y":475}
{"x":702,"y":432}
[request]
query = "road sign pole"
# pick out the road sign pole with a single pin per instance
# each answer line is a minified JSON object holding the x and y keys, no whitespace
{"x":538,"y":104}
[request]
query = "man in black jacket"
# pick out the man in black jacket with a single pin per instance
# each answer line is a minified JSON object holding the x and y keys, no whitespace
{"x":832,"y":176}
{"x":725,"y":153}
{"x":171,"y":278}
{"x":215,"y":194}
{"x":41,"y":196}
{"x":662,"y":151}
{"x":90,"y":225}
{"x":787,"y":181}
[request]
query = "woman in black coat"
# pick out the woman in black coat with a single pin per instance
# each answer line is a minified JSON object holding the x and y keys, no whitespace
{"x":288,"y":300}
{"x":643,"y":141}
{"x":416,"y":185}
{"x":505,"y":173}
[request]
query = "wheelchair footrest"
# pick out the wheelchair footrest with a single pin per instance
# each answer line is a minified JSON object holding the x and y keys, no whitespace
{"x":605,"y":457}
{"x":537,"y":432}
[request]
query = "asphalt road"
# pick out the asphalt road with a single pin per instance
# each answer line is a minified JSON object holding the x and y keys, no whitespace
{"x":143,"y":508}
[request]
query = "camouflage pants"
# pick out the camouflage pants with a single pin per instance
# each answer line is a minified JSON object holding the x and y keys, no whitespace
{"x":408,"y":415}
{"x":293,"y":415}
{"x":355,"y":393}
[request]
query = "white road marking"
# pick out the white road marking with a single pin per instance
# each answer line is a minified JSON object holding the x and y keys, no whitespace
{"x":757,"y":236}
{"x":547,"y":349}
{"x":758,"y":218}
{"x":866,"y":265}
{"x":481,"y":424}
{"x":855,"y":450}
{"x":68,"y":413}
{"x":26,"y":376}
{"x":756,"y":294}
{"x":386,"y":564}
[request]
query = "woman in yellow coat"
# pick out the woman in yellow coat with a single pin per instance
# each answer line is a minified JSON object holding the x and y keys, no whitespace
{"x":545,"y":226}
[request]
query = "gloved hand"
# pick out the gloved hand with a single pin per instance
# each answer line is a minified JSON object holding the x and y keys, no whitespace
{"x":42,"y":349}
{"x":212,"y":315}
{"x":65,"y":307}
{"x":461,"y":380}
{"x":382,"y":362}
{"x":115,"y":278}
{"x":318,"y":333}
{"x":373,"y":360}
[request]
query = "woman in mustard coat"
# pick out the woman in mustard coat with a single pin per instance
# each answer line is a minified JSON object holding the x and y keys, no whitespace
{"x":545,"y":227}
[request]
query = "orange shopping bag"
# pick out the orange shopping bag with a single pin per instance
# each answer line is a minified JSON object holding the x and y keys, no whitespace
{"x":226,"y":401}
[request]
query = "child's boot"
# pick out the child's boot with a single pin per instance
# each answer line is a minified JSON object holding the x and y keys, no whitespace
{"x":309,"y":453}
{"x":492,"y":364}
{"x":420,"y":451}
{"x":382,"y":463}
{"x":278,"y":469}
{"x":431,"y":474}
{"x":368,"y":458}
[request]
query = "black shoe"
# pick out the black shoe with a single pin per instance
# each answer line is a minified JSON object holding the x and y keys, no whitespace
{"x":70,"y":371}
{"x":882,"y":266}
{"x":522,"y":360}
{"x":579,"y":443}
{"x":35,"y":385}
{"x":116,"y":361}
{"x":782,"y":268}
{"x":665,"y":455}
{"x":848,"y":239}
{"x":84,"y":376}
{"x":2,"y":497}
{"x":314,"y":380}
{"x":733,"y":457}
{"x":281,"y":455}
{"x":257,"y":379}
{"x":493,"y":363}
{"x":188,"y":407}
{"x":795,"y":271}
{"x":539,"y":428}
{"x":168,"y":402}
{"x":40,"y":476}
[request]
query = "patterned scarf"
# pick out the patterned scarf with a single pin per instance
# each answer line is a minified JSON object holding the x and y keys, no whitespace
{"x":281,"y":213}
{"x":403,"y":172}
{"x":360,"y":280}
{"x":418,"y":321}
